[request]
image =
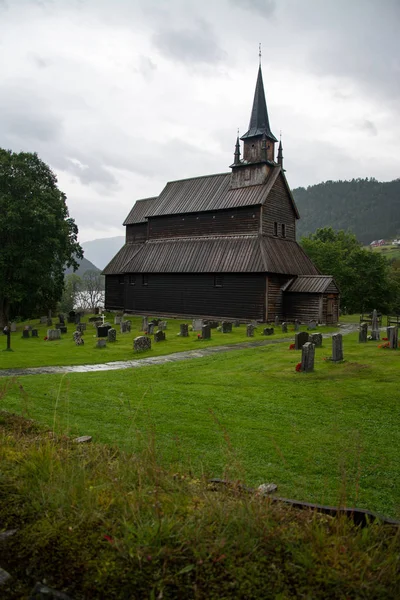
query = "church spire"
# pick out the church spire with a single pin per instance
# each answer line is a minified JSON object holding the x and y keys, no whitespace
{"x":280,"y":153}
{"x":259,"y":122}
{"x":236,"y":159}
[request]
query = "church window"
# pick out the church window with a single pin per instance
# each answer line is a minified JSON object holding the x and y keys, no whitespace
{"x":275,"y":228}
{"x":218,"y":280}
{"x":283,"y":230}
{"x":145,"y":280}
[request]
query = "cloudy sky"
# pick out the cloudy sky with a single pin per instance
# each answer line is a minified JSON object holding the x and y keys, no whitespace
{"x":120,"y":96}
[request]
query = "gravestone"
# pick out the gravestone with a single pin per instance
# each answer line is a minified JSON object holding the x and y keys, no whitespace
{"x":43,"y":320}
{"x":141,"y":343}
{"x":363,"y":333}
{"x":276,"y":321}
{"x":125,"y":326}
{"x":312,"y":325}
{"x":145,"y":323}
{"x":184,"y":330}
{"x":250,"y":330}
{"x":236,"y":323}
{"x":296,"y":325}
{"x":117,"y":320}
{"x":78,"y":339}
{"x":76,"y":335}
{"x":284,"y":327}
{"x":81,"y":327}
{"x":300,"y":339}
{"x":206,"y":332}
{"x":112,"y":335}
{"x":307,"y":357}
{"x":34,"y":333}
{"x":53,"y":334}
{"x":316,"y":339}
{"x":337,"y":347}
{"x":212,"y":324}
{"x":61,"y":319}
{"x":159,"y":336}
{"x":162,"y":326}
{"x":102,"y":331}
{"x":101,"y":344}
{"x":49,"y":322}
{"x":393,"y":337}
{"x":155,"y":321}
{"x":25,"y":333}
{"x":375,"y":326}
{"x":268,"y":331}
{"x":197,"y":324}
{"x":58,"y":325}
{"x":226,"y":327}
{"x":13,"y":327}
{"x":71,"y":316}
{"x":77,"y":318}
{"x":150,"y":328}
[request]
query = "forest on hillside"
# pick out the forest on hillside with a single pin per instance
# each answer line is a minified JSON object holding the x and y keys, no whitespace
{"x":368,"y":208}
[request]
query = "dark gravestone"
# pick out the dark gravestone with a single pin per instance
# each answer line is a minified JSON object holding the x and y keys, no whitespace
{"x":102,"y":331}
{"x":206,"y":332}
{"x":63,"y":329}
{"x":337,"y":347}
{"x":393,"y":335}
{"x":268,"y":331}
{"x":226,"y":327}
{"x":71,"y":316}
{"x":34,"y":333}
{"x":25,"y":333}
{"x":112,"y":335}
{"x":250,"y":330}
{"x":276,"y":321}
{"x":212,"y":324}
{"x":155,"y":321}
{"x":307,"y":357}
{"x":49,"y":322}
{"x":236,"y":323}
{"x":284,"y":327}
{"x":81,"y":327}
{"x":145,"y":323}
{"x":300,"y":339}
{"x":363,"y":333}
{"x":184,"y":330}
{"x":316,"y":339}
{"x":77,"y":318}
{"x":150,"y":328}
{"x":61,"y":319}
{"x":142,"y":343}
{"x":159,"y":336}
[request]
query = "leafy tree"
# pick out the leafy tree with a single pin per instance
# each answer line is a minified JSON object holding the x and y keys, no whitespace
{"x":92,"y":290}
{"x":72,"y":287}
{"x":38,"y":238}
{"x":364,"y":277}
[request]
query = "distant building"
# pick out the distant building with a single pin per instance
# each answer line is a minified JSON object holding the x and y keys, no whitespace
{"x":222,"y":245}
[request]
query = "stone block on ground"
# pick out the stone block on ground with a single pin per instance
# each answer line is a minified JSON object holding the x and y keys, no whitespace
{"x":307,"y":357}
{"x":184,"y":330}
{"x":284,"y":327}
{"x":297,"y":324}
{"x":162,"y":326}
{"x":212,"y":324}
{"x":393,"y":336}
{"x":312,"y":325}
{"x":206,"y":332}
{"x":150,"y":328}
{"x":112,"y":335}
{"x":42,"y":592}
{"x":363,"y":333}
{"x":25,"y":333}
{"x":236,"y":323}
{"x":13,"y":327}
{"x":276,"y":321}
{"x":102,"y":331}
{"x":53,"y":334}
{"x":300,"y":339}
{"x":337,"y":347}
{"x":197,"y":324}
{"x":316,"y":339}
{"x":226,"y":327}
{"x":266,"y":488}
{"x":250,"y":330}
{"x":35,"y":333}
{"x":268,"y":331}
{"x":141,"y":343}
{"x":159,"y":336}
{"x":145,"y":323}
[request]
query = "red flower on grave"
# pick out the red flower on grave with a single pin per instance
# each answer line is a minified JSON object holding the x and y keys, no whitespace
{"x":385,"y":339}
{"x":292,"y":346}
{"x":45,"y":338}
{"x":298,"y":367}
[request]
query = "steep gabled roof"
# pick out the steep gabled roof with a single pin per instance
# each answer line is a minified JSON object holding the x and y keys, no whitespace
{"x":259,"y":122}
{"x":117,"y":264}
{"x":140,"y":210}
{"x":311,"y":284}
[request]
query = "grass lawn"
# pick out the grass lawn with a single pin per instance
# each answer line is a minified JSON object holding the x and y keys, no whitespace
{"x":36,"y":352}
{"x":330,"y":436}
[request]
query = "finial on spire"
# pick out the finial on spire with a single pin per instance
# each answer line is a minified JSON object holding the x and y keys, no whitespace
{"x":259,"y":54}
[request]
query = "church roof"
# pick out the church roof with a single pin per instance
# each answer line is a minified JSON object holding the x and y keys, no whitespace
{"x":259,"y":122}
{"x":140,"y":210}
{"x":123,"y":256}
{"x":311,"y":284}
{"x":234,"y":254}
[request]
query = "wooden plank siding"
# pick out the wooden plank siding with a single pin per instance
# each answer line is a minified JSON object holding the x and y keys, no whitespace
{"x":278,"y":208}
{"x":242,"y":295}
{"x":136,"y":233}
{"x":223,"y":222}
{"x":114,"y":292}
{"x":275,"y":300}
{"x":305,"y":307}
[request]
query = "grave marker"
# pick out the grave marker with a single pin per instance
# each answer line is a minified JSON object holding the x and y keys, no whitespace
{"x":316,"y":339}
{"x":284,"y":327}
{"x":226,"y":327}
{"x":276,"y":321}
{"x":375,"y":326}
{"x":250,"y":330}
{"x":268,"y":331}
{"x":297,"y":325}
{"x":145,"y":323}
{"x":307,"y":357}
{"x":159,"y":336}
{"x":13,"y":327}
{"x":206,"y":332}
{"x":363,"y":333}
{"x":184,"y":330}
{"x":112,"y":335}
{"x":197,"y":324}
{"x":300,"y":339}
{"x":141,"y":343}
{"x":337,"y":347}
{"x":53,"y":334}
{"x":393,"y":337}
{"x":312,"y":325}
{"x":101,"y":344}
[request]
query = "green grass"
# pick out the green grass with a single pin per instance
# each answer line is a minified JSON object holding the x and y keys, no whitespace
{"x":329,"y":437}
{"x":36,"y":352}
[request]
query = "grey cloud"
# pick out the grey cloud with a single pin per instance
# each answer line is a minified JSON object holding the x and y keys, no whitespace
{"x":40,"y":62}
{"x":191,"y":45}
{"x":146,"y":67}
{"x":265,"y":8}
{"x":370,"y":127}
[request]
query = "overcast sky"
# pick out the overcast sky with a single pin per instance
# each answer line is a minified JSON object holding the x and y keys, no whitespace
{"x":121,"y":96}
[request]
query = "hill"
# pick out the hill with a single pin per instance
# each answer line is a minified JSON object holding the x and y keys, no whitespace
{"x":367,"y":207}
{"x":85,"y":265}
{"x":101,"y":251}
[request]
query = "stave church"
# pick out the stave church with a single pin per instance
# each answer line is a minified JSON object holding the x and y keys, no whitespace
{"x":224,"y":245}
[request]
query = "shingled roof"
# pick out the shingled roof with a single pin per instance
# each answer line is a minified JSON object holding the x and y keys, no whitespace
{"x":140,"y":210}
{"x":311,"y":284}
{"x":124,"y":255}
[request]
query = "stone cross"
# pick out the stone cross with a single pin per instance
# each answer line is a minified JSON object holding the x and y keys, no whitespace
{"x":316,"y":339}
{"x":393,"y":337}
{"x":206,"y":332}
{"x":337,"y":347}
{"x":300,"y":339}
{"x":142,"y":343}
{"x":284,"y":327}
{"x":159,"y":336}
{"x":250,"y":330}
{"x":184,"y":330}
{"x":112,"y":335}
{"x":226,"y":327}
{"x":363,"y":333}
{"x":307,"y":357}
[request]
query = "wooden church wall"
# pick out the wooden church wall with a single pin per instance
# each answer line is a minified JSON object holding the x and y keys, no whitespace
{"x":306,"y":307}
{"x":275,"y":300}
{"x":136,"y":233}
{"x":278,"y":209}
{"x":114,"y":292}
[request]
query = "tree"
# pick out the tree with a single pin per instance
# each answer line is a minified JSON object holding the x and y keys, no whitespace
{"x":364,"y":277}
{"x":72,"y":287}
{"x":92,"y":290}
{"x":38,"y":238}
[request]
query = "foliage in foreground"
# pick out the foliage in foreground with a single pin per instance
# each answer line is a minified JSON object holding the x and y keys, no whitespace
{"x":96,"y":523}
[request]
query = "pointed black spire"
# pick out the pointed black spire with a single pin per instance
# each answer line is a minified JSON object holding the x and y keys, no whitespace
{"x":236,"y":159}
{"x":280,"y":154}
{"x":259,"y":122}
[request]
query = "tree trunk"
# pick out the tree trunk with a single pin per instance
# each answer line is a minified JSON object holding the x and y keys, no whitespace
{"x":4,"y":312}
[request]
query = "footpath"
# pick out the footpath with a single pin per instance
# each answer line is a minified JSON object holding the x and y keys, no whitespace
{"x":155,"y":360}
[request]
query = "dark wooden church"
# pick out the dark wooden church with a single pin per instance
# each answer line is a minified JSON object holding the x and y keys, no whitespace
{"x":222,"y":245}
